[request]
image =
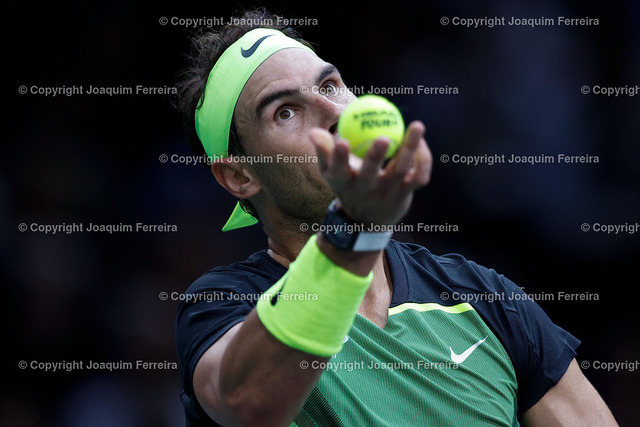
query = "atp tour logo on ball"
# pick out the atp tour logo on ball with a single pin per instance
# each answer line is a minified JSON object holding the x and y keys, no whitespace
{"x":367,"y":118}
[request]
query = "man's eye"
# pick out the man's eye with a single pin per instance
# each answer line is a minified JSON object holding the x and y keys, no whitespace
{"x":329,"y":88}
{"x":286,"y":113}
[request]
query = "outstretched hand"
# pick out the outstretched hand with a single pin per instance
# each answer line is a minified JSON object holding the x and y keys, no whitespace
{"x":369,"y":191}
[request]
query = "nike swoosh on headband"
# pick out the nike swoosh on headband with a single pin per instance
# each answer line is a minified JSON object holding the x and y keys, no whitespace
{"x":248,"y":52}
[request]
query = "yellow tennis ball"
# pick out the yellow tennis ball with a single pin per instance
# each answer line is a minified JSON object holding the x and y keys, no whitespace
{"x":370,"y":117}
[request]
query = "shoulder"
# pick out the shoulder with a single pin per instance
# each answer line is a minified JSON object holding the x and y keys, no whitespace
{"x":539,"y":350}
{"x":215,"y":302}
{"x":452,"y":270}
{"x":253,"y":275}
{"x":421,"y":253}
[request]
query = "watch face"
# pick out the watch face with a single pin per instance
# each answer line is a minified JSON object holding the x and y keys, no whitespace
{"x":339,"y":231}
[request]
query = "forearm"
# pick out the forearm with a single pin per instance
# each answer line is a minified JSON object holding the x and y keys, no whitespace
{"x":270,"y":364}
{"x":263,"y":381}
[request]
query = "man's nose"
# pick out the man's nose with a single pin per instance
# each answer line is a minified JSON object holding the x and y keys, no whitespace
{"x":329,"y":111}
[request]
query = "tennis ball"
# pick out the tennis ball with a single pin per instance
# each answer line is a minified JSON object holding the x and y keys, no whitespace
{"x":370,"y":117}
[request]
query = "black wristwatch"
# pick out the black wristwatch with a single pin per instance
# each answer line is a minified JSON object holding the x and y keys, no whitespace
{"x":348,"y":235}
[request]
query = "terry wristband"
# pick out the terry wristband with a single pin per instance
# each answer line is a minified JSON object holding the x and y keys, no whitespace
{"x":311,"y":308}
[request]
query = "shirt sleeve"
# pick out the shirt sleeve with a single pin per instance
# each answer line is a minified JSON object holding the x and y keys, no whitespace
{"x":540,"y":350}
{"x":211,"y":306}
{"x":544,"y":354}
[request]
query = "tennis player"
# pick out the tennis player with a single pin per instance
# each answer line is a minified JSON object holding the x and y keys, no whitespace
{"x":345,"y":326}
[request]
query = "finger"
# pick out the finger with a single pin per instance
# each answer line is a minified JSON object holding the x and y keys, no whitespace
{"x":420,"y":173}
{"x":374,"y":159}
{"x":339,"y":170}
{"x":404,"y":157}
{"x":324,"y":144}
{"x":401,"y":164}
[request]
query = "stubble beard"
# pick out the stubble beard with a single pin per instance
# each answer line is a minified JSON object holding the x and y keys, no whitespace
{"x":301,"y":194}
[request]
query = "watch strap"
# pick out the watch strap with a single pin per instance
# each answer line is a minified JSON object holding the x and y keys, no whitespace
{"x":347,"y":235}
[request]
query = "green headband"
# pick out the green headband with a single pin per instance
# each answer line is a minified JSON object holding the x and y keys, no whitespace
{"x":226,"y":80}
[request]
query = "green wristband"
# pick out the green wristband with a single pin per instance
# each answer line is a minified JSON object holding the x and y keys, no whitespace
{"x":311,"y":308}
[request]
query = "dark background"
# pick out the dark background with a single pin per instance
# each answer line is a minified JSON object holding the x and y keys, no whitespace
{"x":95,"y":159}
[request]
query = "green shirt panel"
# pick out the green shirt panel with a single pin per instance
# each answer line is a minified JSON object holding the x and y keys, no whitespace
{"x":406,"y":374}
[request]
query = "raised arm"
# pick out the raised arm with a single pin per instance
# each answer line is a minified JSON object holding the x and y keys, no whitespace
{"x":250,"y":376}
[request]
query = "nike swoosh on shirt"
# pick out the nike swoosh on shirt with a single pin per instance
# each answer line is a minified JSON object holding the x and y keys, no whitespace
{"x":248,"y":52}
{"x":459,"y":358}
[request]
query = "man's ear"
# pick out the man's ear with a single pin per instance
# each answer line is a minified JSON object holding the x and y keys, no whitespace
{"x":236,"y":178}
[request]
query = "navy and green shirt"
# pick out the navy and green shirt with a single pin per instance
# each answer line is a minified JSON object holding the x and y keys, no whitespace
{"x":462,"y":345}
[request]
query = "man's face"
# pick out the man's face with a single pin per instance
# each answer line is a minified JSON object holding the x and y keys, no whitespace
{"x":290,"y":93}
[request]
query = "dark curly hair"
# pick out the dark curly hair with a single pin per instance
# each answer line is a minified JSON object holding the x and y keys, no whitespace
{"x":206,"y":49}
